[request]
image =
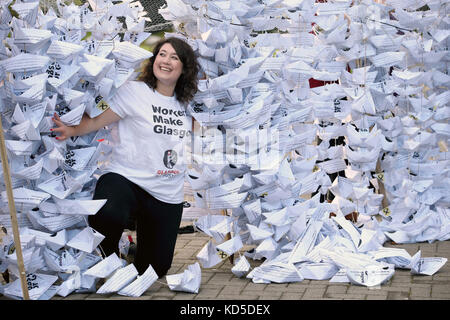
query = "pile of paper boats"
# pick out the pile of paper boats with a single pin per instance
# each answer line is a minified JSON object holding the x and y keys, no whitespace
{"x":268,"y":148}
{"x":385,"y":73}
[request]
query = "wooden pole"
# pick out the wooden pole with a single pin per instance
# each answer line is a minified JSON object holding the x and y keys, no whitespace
{"x":12,"y":212}
{"x":228,"y":237}
{"x":381,"y":188}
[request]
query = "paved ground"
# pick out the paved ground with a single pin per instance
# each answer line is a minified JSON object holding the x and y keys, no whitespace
{"x":220,"y":283}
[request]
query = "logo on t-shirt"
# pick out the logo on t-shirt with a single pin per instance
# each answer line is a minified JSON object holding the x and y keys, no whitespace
{"x":170,"y":158}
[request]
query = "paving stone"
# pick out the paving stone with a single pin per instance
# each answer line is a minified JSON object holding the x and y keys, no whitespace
{"x":238,"y":297}
{"x":233,"y":289}
{"x":197,"y":243}
{"x":427,"y":248}
{"x":401,"y":276}
{"x":254,"y":286}
{"x":344,"y":296}
{"x":180,"y":244}
{"x":336,"y":289}
{"x":314,"y":293}
{"x":440,"y":295}
{"x":92,"y":296}
{"x":185,"y":254}
{"x":398,"y":295}
{"x":421,"y":278}
{"x":271,"y":295}
{"x":291,"y":296}
{"x":421,"y":291}
{"x":296,"y":287}
{"x":184,"y":296}
{"x":396,"y":288}
{"x":358,"y":289}
{"x":382,"y":296}
{"x":443,"y":247}
{"x":438,"y":288}
{"x":177,"y":268}
{"x":206,"y":293}
{"x":77,"y":296}
{"x":206,"y":276}
{"x":119,"y":297}
{"x":235,"y":279}
{"x":218,"y":286}
{"x":220,"y":278}
{"x":275,"y":287}
{"x":440,"y":277}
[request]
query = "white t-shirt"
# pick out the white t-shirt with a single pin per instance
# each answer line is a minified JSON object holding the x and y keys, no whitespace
{"x":152,"y":133}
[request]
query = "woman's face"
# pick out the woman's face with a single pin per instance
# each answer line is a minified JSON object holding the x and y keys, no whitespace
{"x":167,"y":66}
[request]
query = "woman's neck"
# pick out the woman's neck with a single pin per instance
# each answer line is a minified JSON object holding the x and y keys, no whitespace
{"x":165,"y":90}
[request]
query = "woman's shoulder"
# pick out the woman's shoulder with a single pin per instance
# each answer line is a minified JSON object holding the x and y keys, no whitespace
{"x":131,"y":87}
{"x":138,"y":84}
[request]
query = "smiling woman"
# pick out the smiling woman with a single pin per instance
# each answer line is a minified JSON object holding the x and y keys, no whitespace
{"x":143,"y":181}
{"x":167,"y":55}
{"x":167,"y":68}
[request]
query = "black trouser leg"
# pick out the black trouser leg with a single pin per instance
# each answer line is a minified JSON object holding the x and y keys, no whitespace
{"x":157,"y":222}
{"x":157,"y":229}
{"x":114,"y":216}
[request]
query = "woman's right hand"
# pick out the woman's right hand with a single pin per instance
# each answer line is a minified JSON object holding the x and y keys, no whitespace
{"x":64,"y":131}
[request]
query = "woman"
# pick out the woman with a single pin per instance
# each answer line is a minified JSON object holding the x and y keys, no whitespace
{"x":145,"y":177}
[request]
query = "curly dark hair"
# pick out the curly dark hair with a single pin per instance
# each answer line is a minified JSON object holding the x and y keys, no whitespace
{"x":186,"y":86}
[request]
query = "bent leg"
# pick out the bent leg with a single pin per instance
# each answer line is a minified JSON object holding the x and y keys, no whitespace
{"x":114,"y":216}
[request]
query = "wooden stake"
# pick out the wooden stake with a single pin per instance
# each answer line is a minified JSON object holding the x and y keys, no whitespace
{"x":12,"y":212}
{"x":381,"y":188}
{"x":228,"y":237}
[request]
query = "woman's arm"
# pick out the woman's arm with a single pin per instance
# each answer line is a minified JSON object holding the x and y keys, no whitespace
{"x":85,"y":126}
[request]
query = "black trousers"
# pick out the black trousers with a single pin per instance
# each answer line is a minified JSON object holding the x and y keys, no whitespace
{"x":157,"y":222}
{"x":332,"y":143}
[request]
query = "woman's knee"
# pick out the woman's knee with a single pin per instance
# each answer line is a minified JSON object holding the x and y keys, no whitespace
{"x":120,"y":200}
{"x":108,"y":216}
